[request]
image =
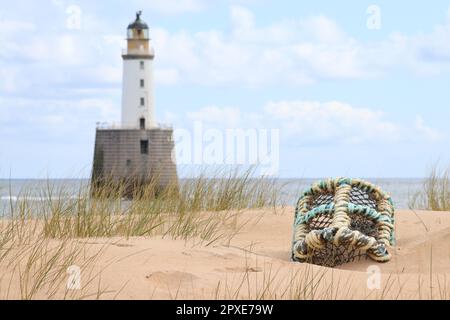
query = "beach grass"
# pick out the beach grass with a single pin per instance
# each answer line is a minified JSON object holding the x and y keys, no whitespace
{"x":41,"y":240}
{"x":262,"y":282}
{"x":203,"y":208}
{"x":435,"y":195}
{"x":36,"y":267}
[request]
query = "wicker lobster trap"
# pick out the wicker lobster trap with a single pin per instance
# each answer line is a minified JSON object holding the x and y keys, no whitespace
{"x":342,"y":220}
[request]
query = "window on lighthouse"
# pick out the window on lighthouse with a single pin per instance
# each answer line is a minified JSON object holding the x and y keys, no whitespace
{"x":142,"y":83}
{"x":144,"y":146}
{"x":142,"y":65}
{"x":142,"y":102}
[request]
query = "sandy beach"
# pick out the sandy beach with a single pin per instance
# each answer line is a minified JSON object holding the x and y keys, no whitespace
{"x":256,"y":264}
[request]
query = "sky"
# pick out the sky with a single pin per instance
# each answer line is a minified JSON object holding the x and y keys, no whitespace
{"x":358,"y":89}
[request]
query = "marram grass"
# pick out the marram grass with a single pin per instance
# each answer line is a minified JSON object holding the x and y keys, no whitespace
{"x":203,"y":208}
{"x":40,"y":240}
{"x":435,"y":194}
{"x":199,"y":208}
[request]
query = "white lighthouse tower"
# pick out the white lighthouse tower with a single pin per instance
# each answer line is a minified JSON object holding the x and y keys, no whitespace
{"x":138,"y":101}
{"x":138,"y":153}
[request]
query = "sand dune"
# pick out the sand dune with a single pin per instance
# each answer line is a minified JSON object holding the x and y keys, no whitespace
{"x":256,"y":265}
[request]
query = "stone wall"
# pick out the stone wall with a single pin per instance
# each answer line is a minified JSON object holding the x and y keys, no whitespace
{"x":120,"y":156}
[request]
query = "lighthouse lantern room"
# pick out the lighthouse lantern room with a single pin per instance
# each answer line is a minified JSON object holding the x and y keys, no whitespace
{"x":138,"y":102}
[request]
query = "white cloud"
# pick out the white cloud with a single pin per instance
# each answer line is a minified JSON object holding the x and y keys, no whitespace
{"x":218,"y":116}
{"x":334,"y":121}
{"x":242,"y":19}
{"x":51,"y":120}
{"x":171,"y":7}
{"x":103,"y":74}
{"x":428,"y":132}
{"x":9,"y":81}
{"x":315,"y":122}
{"x":167,"y":76}
{"x":288,"y":52}
{"x":295,"y":52}
{"x":70,"y":59}
{"x":10,"y":26}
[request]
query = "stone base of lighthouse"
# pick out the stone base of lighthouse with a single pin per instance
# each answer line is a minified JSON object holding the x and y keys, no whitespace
{"x":133,"y":161}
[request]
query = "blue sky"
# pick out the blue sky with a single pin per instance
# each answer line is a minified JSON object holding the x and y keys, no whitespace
{"x":347,"y":99}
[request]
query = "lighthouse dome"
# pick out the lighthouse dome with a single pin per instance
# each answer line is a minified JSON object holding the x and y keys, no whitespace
{"x":138,"y":24}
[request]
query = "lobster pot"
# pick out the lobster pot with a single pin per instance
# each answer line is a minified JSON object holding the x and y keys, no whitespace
{"x":343,"y":220}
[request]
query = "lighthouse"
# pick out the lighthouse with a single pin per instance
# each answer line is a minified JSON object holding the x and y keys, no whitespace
{"x":139,"y":151}
{"x":138,"y":101}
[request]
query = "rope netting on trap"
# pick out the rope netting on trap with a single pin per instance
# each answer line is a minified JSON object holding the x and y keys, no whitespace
{"x":343,"y":220}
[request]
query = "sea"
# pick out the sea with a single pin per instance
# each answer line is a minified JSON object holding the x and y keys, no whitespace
{"x":401,"y":190}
